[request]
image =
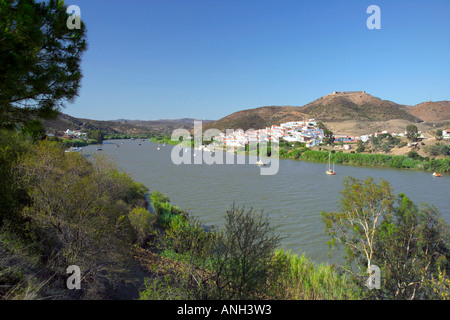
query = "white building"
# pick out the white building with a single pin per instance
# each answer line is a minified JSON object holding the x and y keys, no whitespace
{"x":446,"y":134}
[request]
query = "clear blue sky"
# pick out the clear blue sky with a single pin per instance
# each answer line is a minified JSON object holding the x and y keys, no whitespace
{"x":205,"y":59}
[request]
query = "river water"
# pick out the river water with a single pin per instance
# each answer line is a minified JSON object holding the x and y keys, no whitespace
{"x":293,"y":198}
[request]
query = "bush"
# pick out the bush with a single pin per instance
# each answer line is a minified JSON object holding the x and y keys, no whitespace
{"x":142,"y":221}
{"x":437,"y":150}
{"x":75,"y":213}
{"x":301,"y":279}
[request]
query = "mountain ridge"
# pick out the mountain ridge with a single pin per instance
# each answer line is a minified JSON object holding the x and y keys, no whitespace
{"x":355,"y":109}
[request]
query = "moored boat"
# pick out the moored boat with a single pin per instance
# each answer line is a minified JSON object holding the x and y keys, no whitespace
{"x":330,"y":171}
{"x":260,"y":163}
{"x":436,"y":174}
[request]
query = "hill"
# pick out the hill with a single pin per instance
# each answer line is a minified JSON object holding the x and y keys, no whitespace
{"x":431,"y":111}
{"x":257,"y":118}
{"x":138,"y":127}
{"x":356,"y":106}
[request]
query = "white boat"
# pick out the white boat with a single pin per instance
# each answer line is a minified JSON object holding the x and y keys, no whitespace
{"x":330,"y":171}
{"x":74,"y":149}
{"x":260,"y":163}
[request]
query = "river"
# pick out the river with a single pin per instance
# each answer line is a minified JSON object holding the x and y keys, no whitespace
{"x":293,"y":198}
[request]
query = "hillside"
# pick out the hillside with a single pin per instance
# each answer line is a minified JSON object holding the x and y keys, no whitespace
{"x":64,"y":122}
{"x":358,"y":110}
{"x":257,"y":118}
{"x":431,"y":111}
{"x":357,"y":106}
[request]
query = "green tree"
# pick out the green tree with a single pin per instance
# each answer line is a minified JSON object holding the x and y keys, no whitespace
{"x":361,"y":147}
{"x":411,"y":245}
{"x":234,"y":263}
{"x":412,"y":133}
{"x":328,"y":137}
{"x":33,"y":128}
{"x":39,"y":60}
{"x":438,"y":134}
{"x":13,"y":197}
{"x":96,"y":135}
{"x":412,"y":248}
{"x":363,"y":205}
{"x":244,"y":256}
{"x":142,"y":221}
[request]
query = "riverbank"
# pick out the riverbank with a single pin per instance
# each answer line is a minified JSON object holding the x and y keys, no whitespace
{"x":369,"y":160}
{"x":377,"y":160}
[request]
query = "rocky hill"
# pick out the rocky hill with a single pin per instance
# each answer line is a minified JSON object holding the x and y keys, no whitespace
{"x":257,"y":118}
{"x":438,"y":111}
{"x":138,"y":127}
{"x":356,"y":106}
{"x":343,"y":112}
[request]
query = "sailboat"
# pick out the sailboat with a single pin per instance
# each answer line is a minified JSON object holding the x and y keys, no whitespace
{"x":329,"y":170}
{"x":260,"y":163}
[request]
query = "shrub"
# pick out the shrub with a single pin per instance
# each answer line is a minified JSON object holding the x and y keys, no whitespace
{"x":142,"y":221}
{"x":301,"y":279}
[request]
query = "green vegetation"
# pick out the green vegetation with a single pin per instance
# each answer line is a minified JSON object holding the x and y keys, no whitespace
{"x":60,"y":209}
{"x":412,"y":133}
{"x":117,"y":136}
{"x":370,"y":160}
{"x":164,"y":139}
{"x":240,"y":262}
{"x":438,"y":150}
{"x":68,"y":143}
{"x":410,"y":245}
{"x":328,"y":137}
{"x":39,"y":60}
{"x":95,"y":135}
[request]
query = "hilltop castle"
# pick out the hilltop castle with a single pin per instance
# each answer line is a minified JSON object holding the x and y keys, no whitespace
{"x":348,"y":92}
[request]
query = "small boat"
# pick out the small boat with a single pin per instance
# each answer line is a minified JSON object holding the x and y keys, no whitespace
{"x":74,"y":149}
{"x":330,"y":171}
{"x":436,"y":174}
{"x":158,"y":148}
{"x":260,"y":163}
{"x":99,"y":149}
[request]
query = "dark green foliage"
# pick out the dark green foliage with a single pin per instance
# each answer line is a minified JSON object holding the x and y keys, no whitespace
{"x":39,"y":60}
{"x":328,"y":137}
{"x":96,"y":135}
{"x":164,"y":211}
{"x":142,"y":221}
{"x":62,"y":210}
{"x":13,"y":197}
{"x":438,"y":150}
{"x":412,"y":246}
{"x":372,"y":160}
{"x":34,"y":129}
{"x":244,"y":257}
{"x":412,"y":133}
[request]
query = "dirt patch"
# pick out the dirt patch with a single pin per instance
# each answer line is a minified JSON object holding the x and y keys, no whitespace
{"x":358,"y":128}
